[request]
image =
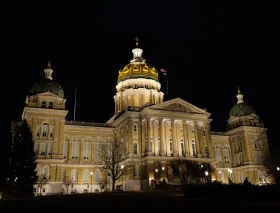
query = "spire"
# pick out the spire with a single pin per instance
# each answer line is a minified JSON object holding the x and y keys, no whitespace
{"x":137,"y":52}
{"x":137,"y":41}
{"x":48,"y":71}
{"x":239,"y":96}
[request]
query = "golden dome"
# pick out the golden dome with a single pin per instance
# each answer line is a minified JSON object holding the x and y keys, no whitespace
{"x":138,"y":70}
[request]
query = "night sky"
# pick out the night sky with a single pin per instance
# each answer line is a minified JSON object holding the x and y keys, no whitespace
{"x":88,"y":44}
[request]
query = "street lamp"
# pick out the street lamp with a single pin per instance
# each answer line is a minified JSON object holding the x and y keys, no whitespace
{"x":206,"y":173}
{"x":122,"y":166}
{"x":278,"y":168}
{"x":91,"y":173}
{"x":162,"y":169}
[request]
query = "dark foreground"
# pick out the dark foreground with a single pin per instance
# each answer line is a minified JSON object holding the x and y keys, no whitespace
{"x":160,"y":201}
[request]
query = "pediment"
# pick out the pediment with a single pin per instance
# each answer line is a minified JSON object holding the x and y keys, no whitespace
{"x":179,"y":105}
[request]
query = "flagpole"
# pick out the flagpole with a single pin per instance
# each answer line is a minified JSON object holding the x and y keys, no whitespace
{"x":75,"y":105}
{"x":166,"y":83}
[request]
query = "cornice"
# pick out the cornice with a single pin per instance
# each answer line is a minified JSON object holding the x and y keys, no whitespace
{"x":88,"y":128}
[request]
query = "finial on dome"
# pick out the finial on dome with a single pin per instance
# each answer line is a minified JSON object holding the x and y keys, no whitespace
{"x":238,"y":90}
{"x":49,"y":64}
{"x":239,"y":96}
{"x":48,"y":71}
{"x":137,"y":41}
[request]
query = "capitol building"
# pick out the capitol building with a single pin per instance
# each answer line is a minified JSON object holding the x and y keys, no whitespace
{"x":153,"y":131}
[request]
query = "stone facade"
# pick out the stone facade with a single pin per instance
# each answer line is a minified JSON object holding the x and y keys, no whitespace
{"x":154,"y":133}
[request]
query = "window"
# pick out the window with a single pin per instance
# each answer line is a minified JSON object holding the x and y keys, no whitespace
{"x":87,"y":150}
{"x":65,"y":148}
{"x":135,"y":148}
{"x":85,"y":176}
{"x":45,"y":130}
{"x":51,"y":105}
{"x":136,"y":171}
{"x":51,"y":132}
{"x":63,"y":175}
{"x":38,"y":132}
{"x":46,"y":171}
{"x":74,"y":175}
{"x":194,"y":147}
{"x":218,"y":153}
{"x":134,"y":128}
{"x":170,"y":144}
{"x":49,"y":149}
{"x":204,"y":132}
{"x":97,"y":176}
{"x":75,"y":149}
{"x":97,"y":154}
{"x":44,"y":104}
{"x":182,"y":146}
{"x":43,"y":148}
{"x":36,"y":147}
{"x":226,"y":155}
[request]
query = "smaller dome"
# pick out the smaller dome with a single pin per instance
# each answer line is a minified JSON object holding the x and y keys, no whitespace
{"x":46,"y":85}
{"x":241,"y":109}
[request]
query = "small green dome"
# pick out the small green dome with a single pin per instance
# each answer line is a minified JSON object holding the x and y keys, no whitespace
{"x":46,"y":85}
{"x":241,"y":109}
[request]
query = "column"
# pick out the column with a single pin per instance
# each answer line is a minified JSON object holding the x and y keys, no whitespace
{"x":209,"y":142}
{"x":186,"y":139}
{"x":149,"y":137}
{"x":174,"y":142}
{"x":143,"y":128}
{"x":130,"y":137}
{"x":155,"y":133}
{"x":190,"y":139}
{"x":200,"y":140}
{"x":162,"y":150}
{"x":197,"y":140}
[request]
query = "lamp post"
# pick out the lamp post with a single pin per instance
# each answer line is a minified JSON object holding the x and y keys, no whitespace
{"x":122,"y":166}
{"x":206,"y":174}
{"x":91,"y":173}
{"x":278,"y":168}
{"x":162,"y":169}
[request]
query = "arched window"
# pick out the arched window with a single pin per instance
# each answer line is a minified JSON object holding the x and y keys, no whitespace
{"x":182,"y":146}
{"x":45,"y":130}
{"x":43,"y":149}
{"x":36,"y":148}
{"x":170,"y":144}
{"x":218,"y":153}
{"x":97,"y":176}
{"x":38,"y":131}
{"x":65,"y":148}
{"x":194,"y":147}
{"x":97,"y":154}
{"x":49,"y":149}
{"x":86,"y":176}
{"x":46,"y":171}
{"x":75,"y":148}
{"x":51,"y":132}
{"x":51,"y":105}
{"x":44,"y":104}
{"x":74,"y":175}
{"x":226,"y":154}
{"x":87,"y":146}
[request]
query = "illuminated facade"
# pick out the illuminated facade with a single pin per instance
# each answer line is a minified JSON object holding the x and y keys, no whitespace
{"x":154,"y":132}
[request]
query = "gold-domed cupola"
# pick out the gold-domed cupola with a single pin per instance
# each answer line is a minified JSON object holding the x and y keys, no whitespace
{"x":137,"y":68}
{"x":138,"y":83}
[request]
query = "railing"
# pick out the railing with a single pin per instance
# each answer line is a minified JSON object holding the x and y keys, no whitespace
{"x":82,"y":123}
{"x":218,"y":133}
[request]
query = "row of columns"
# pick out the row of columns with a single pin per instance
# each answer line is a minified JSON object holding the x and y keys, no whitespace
{"x":198,"y":150}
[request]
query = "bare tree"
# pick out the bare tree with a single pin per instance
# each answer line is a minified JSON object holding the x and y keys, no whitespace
{"x":67,"y":181}
{"x":116,"y":162}
{"x":189,"y":170}
{"x":42,"y":181}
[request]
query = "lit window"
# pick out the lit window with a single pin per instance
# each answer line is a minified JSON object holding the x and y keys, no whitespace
{"x":75,"y":149}
{"x":85,"y":176}
{"x":135,"y":148}
{"x":45,"y":130}
{"x":97,"y":176}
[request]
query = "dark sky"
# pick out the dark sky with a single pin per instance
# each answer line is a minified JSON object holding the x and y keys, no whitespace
{"x":88,"y":44}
